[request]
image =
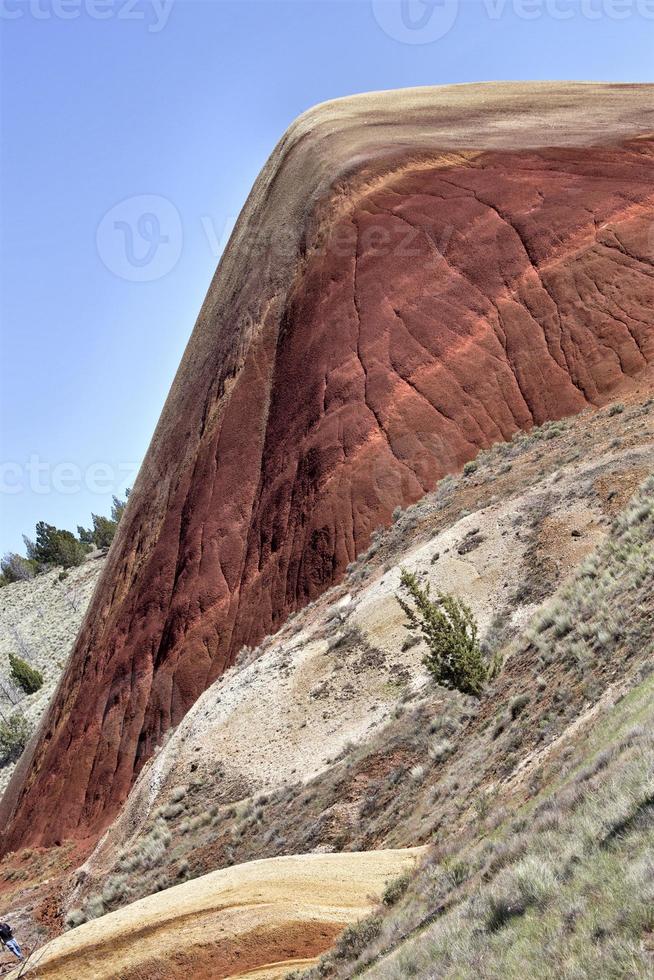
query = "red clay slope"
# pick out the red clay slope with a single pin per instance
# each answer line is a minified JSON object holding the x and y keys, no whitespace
{"x":416,"y":275}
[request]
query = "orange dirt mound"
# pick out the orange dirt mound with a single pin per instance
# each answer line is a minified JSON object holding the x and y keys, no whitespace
{"x":259,"y":917}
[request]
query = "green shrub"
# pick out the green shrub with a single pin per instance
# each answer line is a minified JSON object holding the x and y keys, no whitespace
{"x":396,"y":889}
{"x":104,"y":531}
{"x":470,"y":467}
{"x":26,"y":677}
{"x":518,"y":704}
{"x":356,"y":937}
{"x":55,"y":547}
{"x":454,"y":657}
{"x":104,"y":528}
{"x":14,"y":735}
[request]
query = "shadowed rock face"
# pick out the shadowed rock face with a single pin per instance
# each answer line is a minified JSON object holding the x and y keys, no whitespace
{"x":415,"y":276}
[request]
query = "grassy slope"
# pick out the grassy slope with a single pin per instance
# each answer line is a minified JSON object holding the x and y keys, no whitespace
{"x":561,"y":886}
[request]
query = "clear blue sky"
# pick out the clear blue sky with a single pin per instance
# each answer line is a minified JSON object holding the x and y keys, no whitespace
{"x":173,"y":108}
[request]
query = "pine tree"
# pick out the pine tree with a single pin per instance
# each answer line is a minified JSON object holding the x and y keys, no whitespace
{"x":454,"y":656}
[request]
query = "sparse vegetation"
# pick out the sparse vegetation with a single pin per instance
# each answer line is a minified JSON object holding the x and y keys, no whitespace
{"x":54,"y":546}
{"x":147,"y":851}
{"x":142,"y":857}
{"x":436,"y":763}
{"x":14,"y":735}
{"x":104,"y":528}
{"x":437,"y":768}
{"x":562,"y":883}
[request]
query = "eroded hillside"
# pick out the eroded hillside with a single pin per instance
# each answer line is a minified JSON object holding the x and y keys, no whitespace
{"x":326,"y":770}
{"x":356,"y":749}
{"x":395,"y":297}
{"x":528,"y":797}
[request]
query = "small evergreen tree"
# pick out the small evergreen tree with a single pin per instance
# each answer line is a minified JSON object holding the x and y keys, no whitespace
{"x":26,"y":677}
{"x":118,"y":507}
{"x":104,"y":528}
{"x":454,"y":657}
{"x":85,"y":535}
{"x":55,"y":547}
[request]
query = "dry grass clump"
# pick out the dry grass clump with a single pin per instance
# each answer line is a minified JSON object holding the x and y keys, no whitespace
{"x":528,"y":884}
{"x":148,"y":851}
